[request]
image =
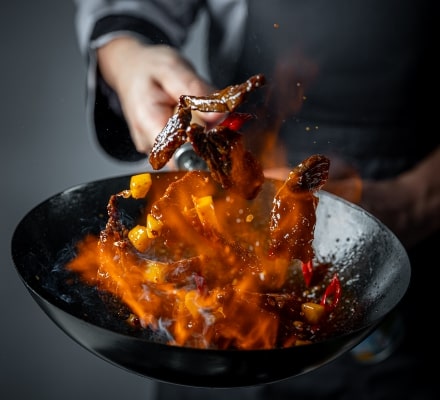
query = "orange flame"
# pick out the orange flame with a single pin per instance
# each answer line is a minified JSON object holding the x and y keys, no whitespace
{"x":207,"y":279}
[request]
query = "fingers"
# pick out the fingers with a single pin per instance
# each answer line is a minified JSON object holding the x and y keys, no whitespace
{"x":149,"y":79}
{"x":146,"y":110}
{"x":178,"y":77}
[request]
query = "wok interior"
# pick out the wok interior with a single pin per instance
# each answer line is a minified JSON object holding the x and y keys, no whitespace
{"x":370,"y":259}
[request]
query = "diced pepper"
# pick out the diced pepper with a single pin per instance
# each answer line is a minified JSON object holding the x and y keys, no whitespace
{"x":332,"y":294}
{"x":235,"y":120}
{"x":307,"y":270}
{"x":139,"y":238}
{"x":313,"y":312}
{"x":154,"y":273}
{"x":206,"y":211}
{"x":154,"y":227}
{"x":140,"y":185}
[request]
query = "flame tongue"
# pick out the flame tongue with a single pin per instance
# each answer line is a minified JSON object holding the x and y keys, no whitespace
{"x":222,"y":272}
{"x":220,"y":259}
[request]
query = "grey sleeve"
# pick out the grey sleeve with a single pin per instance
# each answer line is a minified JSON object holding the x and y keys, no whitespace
{"x":99,"y":21}
{"x":171,"y":17}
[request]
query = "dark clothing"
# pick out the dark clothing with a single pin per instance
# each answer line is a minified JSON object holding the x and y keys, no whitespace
{"x":367,"y":72}
{"x":352,"y":80}
{"x":364,"y":71}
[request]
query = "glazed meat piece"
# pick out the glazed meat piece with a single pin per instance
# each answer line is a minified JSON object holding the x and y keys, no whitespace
{"x":230,"y":163}
{"x":221,"y":147}
{"x":172,"y":136}
{"x":226,"y":100}
{"x":293,"y":218}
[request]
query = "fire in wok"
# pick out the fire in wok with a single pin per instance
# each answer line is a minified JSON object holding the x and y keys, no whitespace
{"x":368,"y":258}
{"x":306,"y":279}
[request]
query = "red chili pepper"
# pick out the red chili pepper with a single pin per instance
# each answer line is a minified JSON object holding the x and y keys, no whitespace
{"x":307,"y":271}
{"x":332,"y":294}
{"x":235,"y":120}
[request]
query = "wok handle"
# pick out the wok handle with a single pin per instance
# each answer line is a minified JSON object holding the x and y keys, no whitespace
{"x":186,"y":159}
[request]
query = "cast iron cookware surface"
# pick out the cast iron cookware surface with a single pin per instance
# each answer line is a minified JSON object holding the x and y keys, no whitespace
{"x":366,"y":252}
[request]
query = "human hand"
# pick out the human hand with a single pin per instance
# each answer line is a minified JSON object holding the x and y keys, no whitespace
{"x":149,"y":80}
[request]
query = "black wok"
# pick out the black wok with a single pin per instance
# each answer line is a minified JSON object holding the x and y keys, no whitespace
{"x":366,"y":253}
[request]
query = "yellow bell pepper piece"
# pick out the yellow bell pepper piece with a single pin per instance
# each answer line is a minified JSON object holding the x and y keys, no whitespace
{"x":140,"y":185}
{"x":313,"y":312}
{"x":205,"y":211}
{"x":154,"y":273}
{"x":139,"y":238}
{"x":154,"y":227}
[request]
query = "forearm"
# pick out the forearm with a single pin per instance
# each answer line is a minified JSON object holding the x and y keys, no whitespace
{"x":99,"y":23}
{"x":424,"y":181}
{"x":112,"y":56}
{"x":409,"y":204}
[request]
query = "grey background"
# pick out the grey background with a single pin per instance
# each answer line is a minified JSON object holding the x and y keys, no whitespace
{"x":45,"y":148}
